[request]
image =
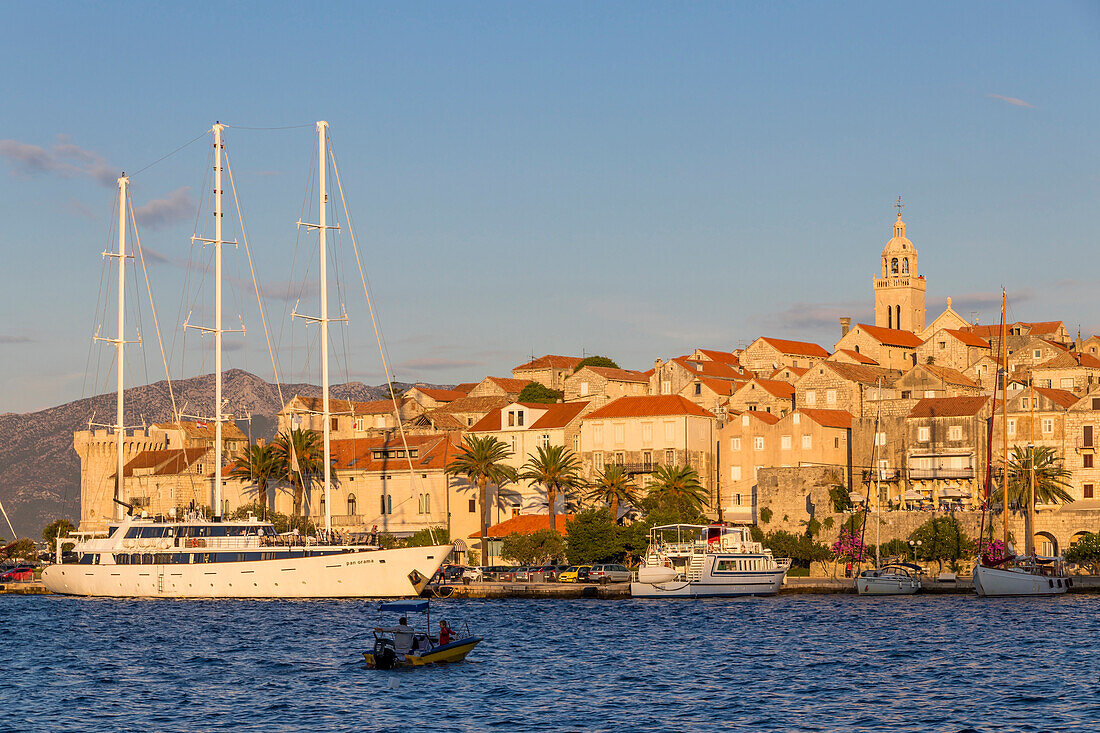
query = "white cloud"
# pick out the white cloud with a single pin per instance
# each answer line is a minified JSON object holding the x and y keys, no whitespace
{"x":63,"y":158}
{"x":1011,"y":100}
{"x":174,"y":207}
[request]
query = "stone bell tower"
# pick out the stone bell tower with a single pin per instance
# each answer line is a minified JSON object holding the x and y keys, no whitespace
{"x":899,"y":292}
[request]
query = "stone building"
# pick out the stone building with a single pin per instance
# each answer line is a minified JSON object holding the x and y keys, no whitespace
{"x":849,"y":387}
{"x":890,"y":347}
{"x":550,"y":370}
{"x":710,"y":394}
{"x":670,"y":378}
{"x":766,"y":354}
{"x":948,"y":320}
{"x":953,"y":348}
{"x":1072,"y":371}
{"x":644,"y":432}
{"x":524,"y":427}
{"x":499,"y":387}
{"x":763,"y":395}
{"x":429,"y":398}
{"x":933,"y":380}
{"x":899,"y":292}
{"x":946,"y":440}
{"x":348,"y":418}
{"x":600,"y":385}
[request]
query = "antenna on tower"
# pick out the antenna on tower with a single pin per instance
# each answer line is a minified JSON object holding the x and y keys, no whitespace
{"x":899,"y":206}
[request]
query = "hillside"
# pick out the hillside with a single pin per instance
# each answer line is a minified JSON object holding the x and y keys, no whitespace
{"x":40,"y":471}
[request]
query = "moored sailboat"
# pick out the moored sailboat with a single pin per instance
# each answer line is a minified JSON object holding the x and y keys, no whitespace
{"x":199,"y":557}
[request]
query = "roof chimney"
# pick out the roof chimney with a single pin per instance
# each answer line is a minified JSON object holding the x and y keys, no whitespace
{"x":845,"y":326}
{"x":657,"y":365}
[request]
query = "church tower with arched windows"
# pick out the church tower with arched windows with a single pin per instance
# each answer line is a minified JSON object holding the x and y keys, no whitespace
{"x":899,"y":292}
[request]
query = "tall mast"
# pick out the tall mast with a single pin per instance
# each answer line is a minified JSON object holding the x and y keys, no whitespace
{"x":1029,"y":531}
{"x":1004,"y":407}
{"x":120,"y":424}
{"x":218,"y":320}
{"x":875,"y":468}
{"x":322,"y":201}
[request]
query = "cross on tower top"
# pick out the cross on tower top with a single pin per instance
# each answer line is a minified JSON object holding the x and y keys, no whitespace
{"x":899,"y":206}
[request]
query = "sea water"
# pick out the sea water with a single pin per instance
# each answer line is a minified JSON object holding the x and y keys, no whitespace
{"x":789,"y":663}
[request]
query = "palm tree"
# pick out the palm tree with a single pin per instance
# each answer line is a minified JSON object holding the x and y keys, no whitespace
{"x":614,"y":486}
{"x":481,"y":461}
{"x":258,"y":464}
{"x":678,"y":486}
{"x":555,"y":468}
{"x":1050,"y":478}
{"x":300,"y":462}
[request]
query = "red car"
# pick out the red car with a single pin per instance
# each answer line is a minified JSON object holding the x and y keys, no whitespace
{"x":18,"y":573}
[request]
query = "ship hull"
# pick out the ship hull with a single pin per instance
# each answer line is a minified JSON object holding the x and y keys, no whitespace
{"x":887,"y":586}
{"x":743,"y":584}
{"x":996,"y":582}
{"x":375,"y":574}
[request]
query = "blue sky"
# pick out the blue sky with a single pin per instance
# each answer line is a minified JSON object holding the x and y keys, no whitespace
{"x":632,"y":179}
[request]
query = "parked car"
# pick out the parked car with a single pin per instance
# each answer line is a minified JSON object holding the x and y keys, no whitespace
{"x":575,"y":574}
{"x":609,"y":573}
{"x":546,"y":573}
{"x":452,"y":573}
{"x":18,"y":573}
{"x":474,"y":573}
{"x":522,"y":574}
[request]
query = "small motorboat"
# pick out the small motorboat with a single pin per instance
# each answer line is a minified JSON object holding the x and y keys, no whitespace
{"x":405,"y":646}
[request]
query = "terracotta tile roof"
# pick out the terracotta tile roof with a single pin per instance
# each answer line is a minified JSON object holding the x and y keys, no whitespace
{"x":1044,"y":327}
{"x":967,"y":337}
{"x":526,"y":524}
{"x":472,"y":404}
{"x":828,"y":418}
{"x":869,"y":375}
{"x":764,"y":417}
{"x":491,"y":423}
{"x":164,"y":462}
{"x":712,"y":369}
{"x":796,"y":371}
{"x":722,"y":387}
{"x":511,"y":386}
{"x":949,"y":375}
{"x":725,"y":357}
{"x":617,"y":375}
{"x":861,"y":358}
{"x":465,"y":387}
{"x":358,"y":453}
{"x":1068,"y":359}
{"x":204,"y":429}
{"x":559,"y":415}
{"x":891,"y":336}
{"x":1039,"y":328}
{"x":550,"y":361}
{"x":656,"y":405}
{"x":442,"y":421}
{"x":1062,"y":397}
{"x":774,"y":387}
{"x":948,"y":406}
{"x":374,"y":407}
{"x":1058,"y":344}
{"x":441,"y":395}
{"x":800,"y":348}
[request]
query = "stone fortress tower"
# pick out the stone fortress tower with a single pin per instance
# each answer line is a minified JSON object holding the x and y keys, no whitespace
{"x":899,"y":292}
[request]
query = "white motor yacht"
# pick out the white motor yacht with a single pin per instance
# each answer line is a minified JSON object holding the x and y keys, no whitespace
{"x":197,"y":558}
{"x":696,"y":561}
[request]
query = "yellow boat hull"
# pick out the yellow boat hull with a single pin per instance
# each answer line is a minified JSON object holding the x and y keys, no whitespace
{"x":456,"y":651}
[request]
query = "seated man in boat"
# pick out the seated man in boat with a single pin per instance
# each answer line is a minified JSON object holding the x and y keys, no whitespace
{"x":402,"y":635}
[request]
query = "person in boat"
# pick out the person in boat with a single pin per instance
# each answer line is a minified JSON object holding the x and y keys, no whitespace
{"x":446,"y":633}
{"x":402,"y":635}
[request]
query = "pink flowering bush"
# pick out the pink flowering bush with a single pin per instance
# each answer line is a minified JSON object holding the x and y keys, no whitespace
{"x":991,"y":551}
{"x":849,"y":548}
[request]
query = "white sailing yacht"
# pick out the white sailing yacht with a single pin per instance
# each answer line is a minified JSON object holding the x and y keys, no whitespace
{"x":895,"y":578}
{"x":1029,"y":574}
{"x":197,"y":557}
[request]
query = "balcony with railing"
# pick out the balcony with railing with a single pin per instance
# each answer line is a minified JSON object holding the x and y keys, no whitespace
{"x":938,"y":472}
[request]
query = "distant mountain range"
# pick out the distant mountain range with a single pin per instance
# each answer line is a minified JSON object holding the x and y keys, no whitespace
{"x":40,"y":471}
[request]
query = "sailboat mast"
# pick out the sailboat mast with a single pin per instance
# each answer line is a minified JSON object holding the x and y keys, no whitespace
{"x":1004,"y":407}
{"x":322,"y":201}
{"x":218,"y":320}
{"x":120,"y":424}
{"x":1029,"y":531}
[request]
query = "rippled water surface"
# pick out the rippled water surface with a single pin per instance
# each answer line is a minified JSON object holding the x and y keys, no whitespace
{"x":931,"y":663}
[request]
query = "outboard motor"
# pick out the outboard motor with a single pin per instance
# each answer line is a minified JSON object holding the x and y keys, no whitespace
{"x":384,"y":655}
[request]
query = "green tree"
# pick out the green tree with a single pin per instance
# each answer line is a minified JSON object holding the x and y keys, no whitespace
{"x":23,"y":549}
{"x":538,"y":547}
{"x":1086,"y":551}
{"x":613,"y":486}
{"x":258,"y":465}
{"x":480,"y":460}
{"x":425,"y":538}
{"x":57,"y":528}
{"x":301,"y":462}
{"x":1051,"y":476}
{"x":765,"y":515}
{"x":593,"y":537}
{"x":896,"y":547}
{"x":556,"y":469}
{"x":678,"y":487}
{"x":281,"y":522}
{"x":538,"y":392}
{"x":596,"y":361}
{"x":800,"y":548}
{"x":941,"y":539}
